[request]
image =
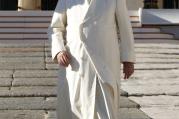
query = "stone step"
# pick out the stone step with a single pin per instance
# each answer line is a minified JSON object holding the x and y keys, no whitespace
{"x":134,"y":19}
{"x":157,"y":50}
{"x":44,"y":30}
{"x":49,"y":103}
{"x":153,"y":51}
{"x":45,"y":37}
{"x":152,"y":77}
{"x":144,"y":59}
{"x":138,"y":66}
{"x":23,"y":36}
{"x":157,"y":101}
{"x":26,"y":13}
{"x":24,"y":25}
{"x":162,"y":45}
{"x":150,"y":50}
{"x":161,"y":113}
{"x":52,"y":66}
{"x":132,"y":113}
{"x":6,"y":82}
{"x":154,"y":64}
{"x":151,"y":90}
{"x":157,"y":60}
{"x":146,"y":30}
{"x":23,"y":30}
{"x":15,"y":50}
{"x":22,"y":43}
{"x":21,"y":59}
{"x":124,"y":113}
{"x":159,"y":66}
{"x":153,"y":36}
{"x":171,"y":41}
{"x":158,"y":107}
{"x":22,"y":65}
{"x":16,"y":19}
{"x":27,"y":103}
{"x":134,"y":15}
{"x":39,"y":25}
{"x":22,"y":54}
{"x":147,"y":60}
{"x":35,"y":74}
{"x":160,"y":74}
{"x":44,"y":13}
{"x":139,"y":60}
{"x":29,"y":91}
{"x":6,"y":73}
{"x":136,"y":24}
{"x":136,"y":80}
{"x":37,"y":91}
{"x":47,"y":19}
{"x":159,"y":53}
{"x":22,"y":114}
{"x":154,"y":55}
{"x":33,"y":82}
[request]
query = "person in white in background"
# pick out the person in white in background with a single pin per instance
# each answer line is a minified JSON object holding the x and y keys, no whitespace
{"x":84,"y":40}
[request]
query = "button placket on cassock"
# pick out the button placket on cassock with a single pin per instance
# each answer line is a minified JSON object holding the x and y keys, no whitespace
{"x":88,"y":3}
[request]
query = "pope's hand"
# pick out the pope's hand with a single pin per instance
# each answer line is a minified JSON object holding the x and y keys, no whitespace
{"x":63,"y":58}
{"x":128,"y":69}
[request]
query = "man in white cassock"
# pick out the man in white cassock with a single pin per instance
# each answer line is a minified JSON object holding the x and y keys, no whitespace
{"x":84,"y":40}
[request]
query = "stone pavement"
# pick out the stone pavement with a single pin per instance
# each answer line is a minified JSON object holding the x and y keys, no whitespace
{"x":28,"y":81}
{"x":155,"y":83}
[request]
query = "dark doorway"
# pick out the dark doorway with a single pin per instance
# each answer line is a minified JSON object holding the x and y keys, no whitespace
{"x":8,"y":4}
{"x":49,"y":4}
{"x":13,"y":4}
{"x":150,"y":4}
{"x":171,"y":4}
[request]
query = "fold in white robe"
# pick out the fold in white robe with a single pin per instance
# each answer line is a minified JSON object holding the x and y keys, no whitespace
{"x":90,"y":97}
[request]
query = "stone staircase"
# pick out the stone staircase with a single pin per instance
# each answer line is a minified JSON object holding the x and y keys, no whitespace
{"x":28,"y":77}
{"x":33,"y":25}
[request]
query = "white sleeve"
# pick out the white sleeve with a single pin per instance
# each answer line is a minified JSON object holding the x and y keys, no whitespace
{"x":126,"y":34}
{"x":57,"y":29}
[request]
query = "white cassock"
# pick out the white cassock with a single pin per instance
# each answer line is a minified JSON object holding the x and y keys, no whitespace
{"x":88,"y":31}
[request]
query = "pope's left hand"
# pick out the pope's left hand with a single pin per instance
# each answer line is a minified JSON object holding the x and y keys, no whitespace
{"x":128,"y":69}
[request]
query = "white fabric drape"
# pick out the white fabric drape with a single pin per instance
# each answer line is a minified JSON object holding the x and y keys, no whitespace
{"x":93,"y":74}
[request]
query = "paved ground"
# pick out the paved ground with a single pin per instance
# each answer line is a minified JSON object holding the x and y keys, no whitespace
{"x":155,"y":84}
{"x":28,"y":84}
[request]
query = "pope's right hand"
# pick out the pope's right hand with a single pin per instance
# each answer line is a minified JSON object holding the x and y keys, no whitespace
{"x":63,"y":58}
